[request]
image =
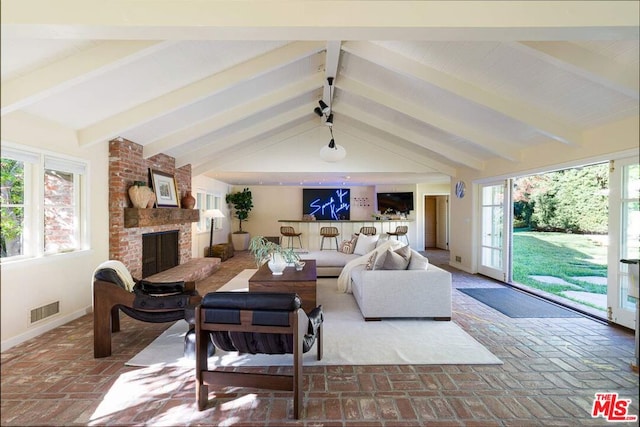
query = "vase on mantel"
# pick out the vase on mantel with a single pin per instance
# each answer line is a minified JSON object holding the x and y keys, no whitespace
{"x":188,"y":201}
{"x":140,"y":194}
{"x":152,"y":200}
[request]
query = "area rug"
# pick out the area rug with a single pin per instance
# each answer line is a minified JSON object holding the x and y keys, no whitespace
{"x":517,"y":304}
{"x":348,"y":340}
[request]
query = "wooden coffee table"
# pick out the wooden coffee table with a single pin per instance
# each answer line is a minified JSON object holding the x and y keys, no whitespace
{"x":302,"y":283}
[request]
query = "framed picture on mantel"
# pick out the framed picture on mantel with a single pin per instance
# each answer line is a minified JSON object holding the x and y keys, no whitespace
{"x":164,"y":185}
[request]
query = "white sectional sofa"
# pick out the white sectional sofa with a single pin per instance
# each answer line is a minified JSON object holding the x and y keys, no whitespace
{"x":424,"y":292}
{"x":402,"y":293}
{"x":329,"y":263}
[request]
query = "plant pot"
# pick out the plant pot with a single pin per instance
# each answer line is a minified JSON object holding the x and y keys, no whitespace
{"x":240,"y":241}
{"x":277,"y":264}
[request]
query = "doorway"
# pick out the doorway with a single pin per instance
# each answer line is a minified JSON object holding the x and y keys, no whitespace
{"x":436,"y":222}
{"x":569,"y":238}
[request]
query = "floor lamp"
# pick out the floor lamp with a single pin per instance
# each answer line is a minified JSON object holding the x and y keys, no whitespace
{"x":212,"y":214}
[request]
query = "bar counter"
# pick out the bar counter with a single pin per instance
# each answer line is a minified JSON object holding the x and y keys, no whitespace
{"x":311,"y":237}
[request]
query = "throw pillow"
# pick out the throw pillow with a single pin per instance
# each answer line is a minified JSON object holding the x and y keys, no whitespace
{"x":395,"y":261}
{"x":382,"y":255}
{"x":418,"y":262}
{"x":347,"y":246}
{"x":371,"y":261}
{"x":404,"y":252}
{"x":365,"y":244}
{"x":383,"y":238}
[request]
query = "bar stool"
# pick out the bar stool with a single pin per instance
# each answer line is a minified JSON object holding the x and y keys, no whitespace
{"x":329,"y":232}
{"x":290,"y":232}
{"x":368,"y":231}
{"x":401,"y":230}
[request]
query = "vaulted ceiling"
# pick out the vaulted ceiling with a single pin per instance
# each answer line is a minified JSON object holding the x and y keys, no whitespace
{"x":421,"y":89}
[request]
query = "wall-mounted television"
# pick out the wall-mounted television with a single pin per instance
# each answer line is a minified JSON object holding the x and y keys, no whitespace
{"x":396,"y":202}
{"x":327,"y":203}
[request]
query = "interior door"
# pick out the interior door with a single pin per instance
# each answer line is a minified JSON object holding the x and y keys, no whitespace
{"x":495,"y":199}
{"x":430,"y":222}
{"x":624,"y":238}
{"x":442,"y":231}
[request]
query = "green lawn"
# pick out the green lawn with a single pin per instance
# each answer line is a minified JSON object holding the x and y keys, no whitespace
{"x":565,"y":256}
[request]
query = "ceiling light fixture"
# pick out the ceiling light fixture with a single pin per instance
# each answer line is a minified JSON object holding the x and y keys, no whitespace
{"x":329,"y":121}
{"x":332,"y":152}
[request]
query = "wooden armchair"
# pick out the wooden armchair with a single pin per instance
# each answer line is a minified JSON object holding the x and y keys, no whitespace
{"x":114,"y":289}
{"x":255,"y":323}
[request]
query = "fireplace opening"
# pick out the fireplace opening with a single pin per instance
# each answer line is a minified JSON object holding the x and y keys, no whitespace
{"x":160,"y":251}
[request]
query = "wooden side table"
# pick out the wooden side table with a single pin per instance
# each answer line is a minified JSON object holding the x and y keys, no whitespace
{"x":302,"y":283}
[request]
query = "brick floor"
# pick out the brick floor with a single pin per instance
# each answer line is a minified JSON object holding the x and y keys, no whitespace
{"x":552,"y":370}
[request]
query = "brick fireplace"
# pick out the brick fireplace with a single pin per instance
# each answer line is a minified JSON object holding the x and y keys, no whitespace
{"x":126,"y":165}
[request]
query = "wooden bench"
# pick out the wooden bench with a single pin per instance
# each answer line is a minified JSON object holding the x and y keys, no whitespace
{"x":191,"y":271}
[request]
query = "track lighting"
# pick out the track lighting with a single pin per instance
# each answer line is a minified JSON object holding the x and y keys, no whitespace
{"x":329,"y":121}
{"x":331,"y":152}
{"x":324,"y":107}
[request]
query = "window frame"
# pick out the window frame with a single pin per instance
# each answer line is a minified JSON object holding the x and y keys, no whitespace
{"x":206,"y":200}
{"x":33,"y":232}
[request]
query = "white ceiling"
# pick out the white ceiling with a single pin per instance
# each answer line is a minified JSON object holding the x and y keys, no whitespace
{"x":421,"y":88}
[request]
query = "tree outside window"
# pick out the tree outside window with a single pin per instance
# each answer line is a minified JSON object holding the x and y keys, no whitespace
{"x":42,"y":203}
{"x":12,"y":207}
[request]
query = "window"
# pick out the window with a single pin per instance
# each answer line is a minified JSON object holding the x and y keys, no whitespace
{"x":204,"y":202}
{"x":42,"y":203}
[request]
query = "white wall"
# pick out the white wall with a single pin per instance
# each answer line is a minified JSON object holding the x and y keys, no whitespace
{"x":273,"y":203}
{"x":599,"y":144}
{"x":66,"y":278}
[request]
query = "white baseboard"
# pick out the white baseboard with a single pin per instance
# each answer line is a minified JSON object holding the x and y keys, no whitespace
{"x":41,"y":329}
{"x":461,"y":267}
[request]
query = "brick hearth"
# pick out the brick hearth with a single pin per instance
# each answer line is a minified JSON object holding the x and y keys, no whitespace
{"x":126,"y":165}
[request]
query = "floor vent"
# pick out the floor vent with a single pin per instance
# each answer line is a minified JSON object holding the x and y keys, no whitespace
{"x":45,"y":311}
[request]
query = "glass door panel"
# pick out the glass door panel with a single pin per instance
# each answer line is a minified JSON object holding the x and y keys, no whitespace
{"x":624,"y":237}
{"x":494,"y":231}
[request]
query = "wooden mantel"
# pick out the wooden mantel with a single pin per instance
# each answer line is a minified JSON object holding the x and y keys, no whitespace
{"x":134,"y":217}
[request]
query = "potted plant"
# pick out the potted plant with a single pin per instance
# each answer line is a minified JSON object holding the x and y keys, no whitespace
{"x":242,"y":202}
{"x":276,"y":256}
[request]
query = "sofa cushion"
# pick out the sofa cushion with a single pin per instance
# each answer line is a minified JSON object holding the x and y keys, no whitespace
{"x":397,"y":260}
{"x":365,"y":244}
{"x":418,"y":262}
{"x":382,"y":239}
{"x":329,"y":258}
{"x":379,"y":261}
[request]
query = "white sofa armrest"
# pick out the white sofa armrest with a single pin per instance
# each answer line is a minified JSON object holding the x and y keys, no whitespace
{"x":403,"y":293}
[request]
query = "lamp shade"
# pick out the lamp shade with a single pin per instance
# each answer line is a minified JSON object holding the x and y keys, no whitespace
{"x":333,"y":154}
{"x":214,"y":213}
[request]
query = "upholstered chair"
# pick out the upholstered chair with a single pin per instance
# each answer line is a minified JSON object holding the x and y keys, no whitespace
{"x":114,"y":289}
{"x":255,"y":323}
